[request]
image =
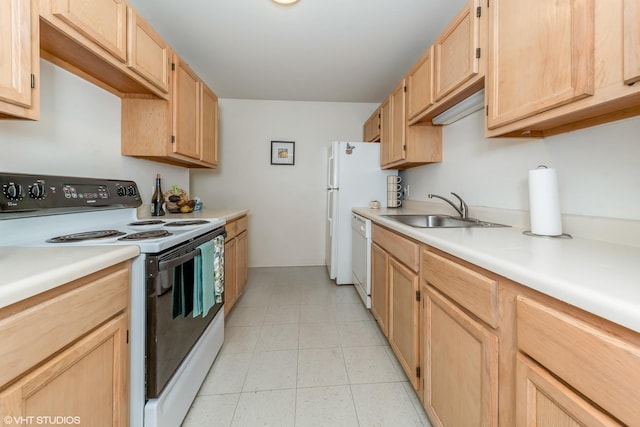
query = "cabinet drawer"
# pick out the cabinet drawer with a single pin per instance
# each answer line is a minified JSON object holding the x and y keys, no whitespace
{"x":472,"y":290}
{"x":35,"y":333}
{"x":404,"y":250}
{"x":242,"y":224}
{"x":232,"y":229}
{"x":601,"y":366}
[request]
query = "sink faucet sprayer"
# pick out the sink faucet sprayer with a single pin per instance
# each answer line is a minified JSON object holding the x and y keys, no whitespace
{"x":463,"y":210}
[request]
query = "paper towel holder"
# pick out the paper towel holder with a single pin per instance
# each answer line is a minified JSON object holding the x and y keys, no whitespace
{"x":559,"y":236}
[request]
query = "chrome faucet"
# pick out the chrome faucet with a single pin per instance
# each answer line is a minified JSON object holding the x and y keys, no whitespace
{"x":463,"y":210}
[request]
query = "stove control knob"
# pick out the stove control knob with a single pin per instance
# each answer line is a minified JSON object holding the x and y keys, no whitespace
{"x":131,"y":191}
{"x":121,"y":191}
{"x":37,"y":191}
{"x":13,"y":191}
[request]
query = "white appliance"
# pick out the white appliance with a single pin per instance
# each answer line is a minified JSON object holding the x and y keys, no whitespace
{"x":354,"y":178}
{"x":41,"y":210}
{"x":361,"y":257}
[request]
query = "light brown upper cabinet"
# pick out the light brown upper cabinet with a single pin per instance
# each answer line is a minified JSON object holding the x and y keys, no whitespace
{"x":208,"y":125}
{"x":182,"y":131}
{"x":557,"y":66}
{"x":403,"y":146}
{"x":93,"y":40}
{"x":195,"y":115}
{"x":371,"y":128}
{"x":147,"y":52}
{"x":457,"y":51}
{"x":397,"y":146}
{"x":453,"y":68}
{"x":102,"y":21}
{"x":543,"y":57}
{"x":631,"y":24}
{"x":385,"y":131}
{"x":186,"y":109}
{"x":19,"y":60}
{"x":420,"y":85}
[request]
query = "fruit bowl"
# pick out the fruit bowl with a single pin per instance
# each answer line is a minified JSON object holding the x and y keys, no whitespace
{"x":179,"y":207}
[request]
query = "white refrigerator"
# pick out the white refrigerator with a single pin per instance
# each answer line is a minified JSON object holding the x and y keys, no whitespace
{"x":354,"y":178}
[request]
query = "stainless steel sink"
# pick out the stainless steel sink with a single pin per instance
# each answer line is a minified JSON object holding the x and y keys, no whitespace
{"x":440,"y":221}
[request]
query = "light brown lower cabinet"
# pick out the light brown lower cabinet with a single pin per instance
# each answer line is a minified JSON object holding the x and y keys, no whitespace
{"x":543,"y":400}
{"x":404,"y":311}
{"x":461,"y":365}
{"x":66,"y":354}
{"x":597,"y":362}
{"x":236,"y":261}
{"x":395,"y":297}
{"x":380,"y":287}
{"x":494,"y":352}
{"x":242,"y":262}
{"x":230,"y":280}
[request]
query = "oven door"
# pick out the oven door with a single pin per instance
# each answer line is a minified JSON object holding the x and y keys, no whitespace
{"x":171,"y":327}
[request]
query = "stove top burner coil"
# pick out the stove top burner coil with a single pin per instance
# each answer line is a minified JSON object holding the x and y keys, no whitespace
{"x":86,"y":235}
{"x":147,"y":222}
{"x":186,"y":222}
{"x":146,"y":235}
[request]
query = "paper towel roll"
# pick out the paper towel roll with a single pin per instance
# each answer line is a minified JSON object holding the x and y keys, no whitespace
{"x":544,"y":202}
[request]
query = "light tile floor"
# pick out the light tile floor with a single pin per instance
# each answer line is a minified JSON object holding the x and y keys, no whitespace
{"x":301,"y":351}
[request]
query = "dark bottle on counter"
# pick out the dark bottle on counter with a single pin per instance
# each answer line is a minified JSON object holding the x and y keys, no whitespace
{"x":157,"y":200}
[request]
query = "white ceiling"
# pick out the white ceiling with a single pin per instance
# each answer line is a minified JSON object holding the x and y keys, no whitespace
{"x":314,"y":50}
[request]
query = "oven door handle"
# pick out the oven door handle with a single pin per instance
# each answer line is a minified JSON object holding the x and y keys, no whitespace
{"x":165,"y":265}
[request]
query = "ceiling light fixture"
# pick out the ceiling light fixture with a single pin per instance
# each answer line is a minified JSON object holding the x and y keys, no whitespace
{"x":285,"y":2}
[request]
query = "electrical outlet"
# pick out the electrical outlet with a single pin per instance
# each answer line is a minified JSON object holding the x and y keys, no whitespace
{"x":406,"y":191}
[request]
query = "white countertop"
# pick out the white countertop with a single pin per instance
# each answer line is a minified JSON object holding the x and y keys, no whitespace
{"x":28,"y":271}
{"x":227,"y":214}
{"x":599,"y":277}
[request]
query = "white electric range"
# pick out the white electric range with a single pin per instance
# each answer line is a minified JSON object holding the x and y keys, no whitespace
{"x":170,"y":354}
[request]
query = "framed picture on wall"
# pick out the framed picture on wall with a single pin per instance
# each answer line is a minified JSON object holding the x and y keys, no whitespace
{"x":283,"y":152}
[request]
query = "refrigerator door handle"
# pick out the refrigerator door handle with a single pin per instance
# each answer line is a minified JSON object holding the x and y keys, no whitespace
{"x":330,"y":211}
{"x":331,"y":172}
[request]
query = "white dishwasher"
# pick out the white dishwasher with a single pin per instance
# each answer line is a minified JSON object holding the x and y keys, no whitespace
{"x":361,"y":257}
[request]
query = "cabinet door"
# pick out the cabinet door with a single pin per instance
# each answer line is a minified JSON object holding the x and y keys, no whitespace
{"x":147,"y":52}
{"x":455,"y":55}
{"x":542,"y":57}
{"x":87,"y":382}
{"x":230,"y":275}
{"x":242,"y":263}
{"x":542,"y":400}
{"x":420,"y":85}
{"x":404,"y":309}
{"x":631,"y":53}
{"x":371,"y":130}
{"x":186,"y":110}
{"x":398,"y":124}
{"x":102,"y":21}
{"x":19,"y":61}
{"x":461,"y":366}
{"x":209,"y":125}
{"x":385,"y":132}
{"x":379,"y":287}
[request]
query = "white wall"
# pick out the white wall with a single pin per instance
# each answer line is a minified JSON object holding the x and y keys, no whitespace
{"x":598,"y":169}
{"x":78,"y":134}
{"x":287,"y":203}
